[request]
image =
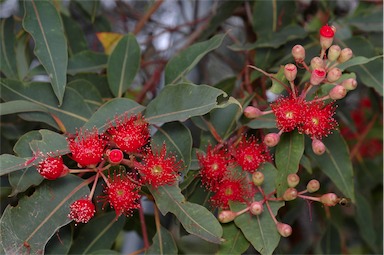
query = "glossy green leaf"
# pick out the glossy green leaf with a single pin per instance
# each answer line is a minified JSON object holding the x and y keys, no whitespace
{"x":19,"y":106}
{"x":336,"y":164}
{"x":181,"y":64}
{"x":61,"y":241}
{"x":289,"y":151}
{"x":162,"y":243}
{"x":36,"y":218}
{"x":178,"y":140}
{"x":99,"y":233}
{"x":261,"y":230}
{"x":10,"y":163}
{"x":86,"y":62}
{"x":196,"y":219}
{"x":356,"y":61}
{"x":185,"y":100}
{"x":234,"y":240}
{"x":278,"y":87}
{"x":43,"y":22}
{"x":117,"y":107}
{"x":264,"y":121}
{"x":7,"y":48}
{"x":73,"y":113}
{"x":123,"y":64}
{"x":89,"y":92}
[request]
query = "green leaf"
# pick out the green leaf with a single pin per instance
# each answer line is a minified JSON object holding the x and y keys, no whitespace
{"x":123,"y":64}
{"x":43,"y":22}
{"x":277,"y":87}
{"x":330,"y":241}
{"x":357,"y":61}
{"x":261,"y":230}
{"x":196,"y":219}
{"x":185,"y":100}
{"x":235,"y":241}
{"x":181,"y":64}
{"x":178,"y":140}
{"x":10,"y":163}
{"x":89,"y":92}
{"x":61,"y":241}
{"x":364,"y":218}
{"x":7,"y":49}
{"x":90,"y":7}
{"x":73,"y":112}
{"x":75,"y":34}
{"x":289,"y":151}
{"x":19,"y":106}
{"x":104,"y":252}
{"x":86,"y":62}
{"x":224,"y":120}
{"x":99,"y":233}
{"x":191,"y":244}
{"x":23,"y":56}
{"x":336,"y":164}
{"x":264,"y":121}
{"x":162,"y":243}
{"x":37,"y":217}
{"x":104,"y":116}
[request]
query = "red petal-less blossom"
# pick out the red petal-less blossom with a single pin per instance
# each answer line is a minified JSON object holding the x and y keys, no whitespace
{"x":213,"y":166}
{"x":288,"y":112}
{"x":130,"y":134}
{"x":52,"y":168}
{"x":249,"y":154}
{"x":318,"y":120}
{"x":82,"y":210}
{"x":230,"y":189}
{"x":122,"y":194}
{"x":157,"y":169}
{"x":87,"y":147}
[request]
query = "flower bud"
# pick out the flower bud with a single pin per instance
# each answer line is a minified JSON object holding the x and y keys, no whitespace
{"x":334,"y":52}
{"x":290,"y":72}
{"x":252,"y":112}
{"x":115,"y":156}
{"x":334,"y":74}
{"x":318,"y":147}
{"x":349,"y":84}
{"x":256,"y":208}
{"x":226,"y":216}
{"x":290,"y":194}
{"x":326,"y":36}
{"x":338,"y":92}
{"x":258,"y":178}
{"x":345,"y":55}
{"x":293,"y":180}
{"x":317,"y":62}
{"x":271,"y":139}
{"x":313,"y":186}
{"x":317,"y":76}
{"x":329,"y":199}
{"x":298,"y":53}
{"x":284,"y":230}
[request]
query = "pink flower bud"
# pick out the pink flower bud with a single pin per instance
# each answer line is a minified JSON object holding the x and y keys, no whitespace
{"x":284,"y":230}
{"x":290,"y":72}
{"x":334,"y":74}
{"x":258,"y":178}
{"x":317,"y":76}
{"x":226,"y":216}
{"x":271,"y":139}
{"x":334,"y":52}
{"x":329,"y":199}
{"x":252,"y":112}
{"x":318,"y":147}
{"x":313,"y":186}
{"x":349,"y":84}
{"x":256,"y":208}
{"x":293,"y":180}
{"x":326,"y":36}
{"x":338,"y":92}
{"x":290,"y":194}
{"x":345,"y":55}
{"x":115,"y":156}
{"x":316,"y":63}
{"x":298,"y":53}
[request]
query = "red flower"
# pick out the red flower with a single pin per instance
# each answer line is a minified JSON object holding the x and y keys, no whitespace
{"x":230,"y":189}
{"x":130,"y":134}
{"x":213,"y":167}
{"x":52,"y":168}
{"x":82,"y":210}
{"x":288,"y":112}
{"x":122,"y":194}
{"x":318,"y":120}
{"x":249,"y":154}
{"x":157,"y":169}
{"x":87,"y":147}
